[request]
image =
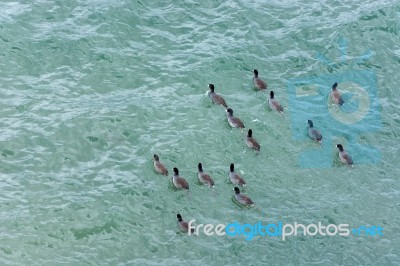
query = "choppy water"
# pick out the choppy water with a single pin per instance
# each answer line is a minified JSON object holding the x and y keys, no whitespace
{"x":90,"y":90}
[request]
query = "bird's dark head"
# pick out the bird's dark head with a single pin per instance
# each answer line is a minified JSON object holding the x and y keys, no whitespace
{"x":176,"y":171}
{"x":211,"y":86}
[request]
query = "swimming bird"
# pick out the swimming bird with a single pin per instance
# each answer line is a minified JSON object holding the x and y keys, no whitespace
{"x":178,"y":181}
{"x":274,"y":104}
{"x":158,"y":166}
{"x":204,"y":178}
{"x":215,"y":97}
{"x":336,"y":95}
{"x":235,"y":178}
{"x":258,"y":83}
{"x":183,"y":225}
{"x":242,"y":199}
{"x":251,"y":142}
{"x":344,"y":156}
{"x":233,"y":121}
{"x":314,"y":133}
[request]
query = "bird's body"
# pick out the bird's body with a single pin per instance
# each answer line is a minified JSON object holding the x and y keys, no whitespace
{"x":233,"y":121}
{"x":344,"y":156}
{"x":242,"y":199}
{"x":314,"y":133}
{"x":158,"y":166}
{"x":274,"y":104}
{"x":336,"y":96}
{"x":178,"y":181}
{"x":257,"y":82}
{"x":251,"y":142}
{"x":203,"y":177}
{"x":184,"y":226}
{"x":215,"y":97}
{"x":234,"y":177}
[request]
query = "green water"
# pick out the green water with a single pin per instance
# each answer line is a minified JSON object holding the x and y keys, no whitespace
{"x":90,"y":90}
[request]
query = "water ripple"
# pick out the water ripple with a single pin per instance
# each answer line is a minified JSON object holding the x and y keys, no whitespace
{"x":90,"y":90}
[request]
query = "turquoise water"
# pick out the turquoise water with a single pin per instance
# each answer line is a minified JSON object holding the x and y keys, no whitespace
{"x":90,"y":90}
